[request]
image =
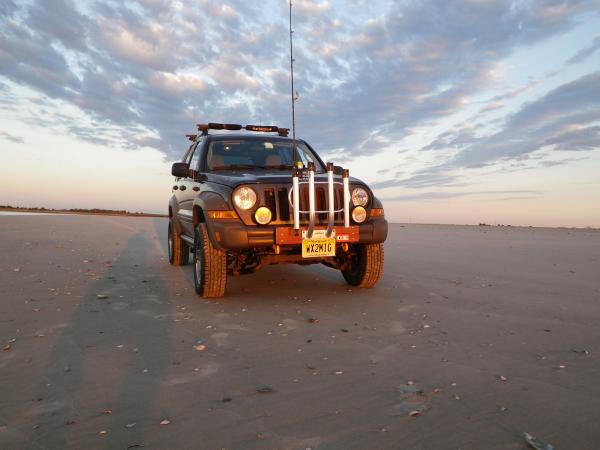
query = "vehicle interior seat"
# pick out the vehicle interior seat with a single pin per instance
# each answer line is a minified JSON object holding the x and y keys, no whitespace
{"x":273,"y":161}
{"x":216,"y":161}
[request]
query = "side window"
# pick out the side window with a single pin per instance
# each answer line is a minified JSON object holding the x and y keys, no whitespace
{"x":195,"y":160}
{"x":188,"y":154}
{"x":306,"y":157}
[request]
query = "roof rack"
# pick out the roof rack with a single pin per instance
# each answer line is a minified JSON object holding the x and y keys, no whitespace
{"x":204,"y":127}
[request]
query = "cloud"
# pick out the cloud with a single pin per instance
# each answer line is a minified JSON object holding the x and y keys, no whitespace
{"x":567,"y":118}
{"x":586,"y":52}
{"x":11,"y":137}
{"x":563,"y":118}
{"x":367,"y":75}
{"x":442,"y":195}
{"x":59,"y":20}
{"x":424,"y":178}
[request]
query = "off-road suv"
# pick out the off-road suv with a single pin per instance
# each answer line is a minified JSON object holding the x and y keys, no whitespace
{"x":243,"y":200}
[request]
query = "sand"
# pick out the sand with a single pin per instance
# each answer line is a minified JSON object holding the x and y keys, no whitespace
{"x":473,"y":336}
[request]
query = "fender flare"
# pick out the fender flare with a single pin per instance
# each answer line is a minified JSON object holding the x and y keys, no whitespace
{"x":209,"y":201}
{"x":376,"y":203}
{"x":173,"y":208}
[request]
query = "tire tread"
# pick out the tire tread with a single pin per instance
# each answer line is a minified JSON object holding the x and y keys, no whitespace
{"x":181,"y":251}
{"x":214,"y":266}
{"x":371,"y":263}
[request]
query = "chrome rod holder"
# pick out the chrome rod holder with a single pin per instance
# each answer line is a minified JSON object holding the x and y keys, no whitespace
{"x":311,"y":200}
{"x":330,"y":205}
{"x":296,"y":204}
{"x":346,"y":183}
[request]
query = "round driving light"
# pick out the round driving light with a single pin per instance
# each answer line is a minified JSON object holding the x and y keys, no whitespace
{"x":244,"y":197}
{"x":263,"y":215}
{"x":359,"y":214}
{"x":360,"y":197}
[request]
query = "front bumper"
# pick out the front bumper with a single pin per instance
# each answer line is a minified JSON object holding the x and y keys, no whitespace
{"x":234,"y":235}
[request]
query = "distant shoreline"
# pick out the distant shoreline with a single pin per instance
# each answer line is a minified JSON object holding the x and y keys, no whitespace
{"x":90,"y":212}
{"x":108,"y":212}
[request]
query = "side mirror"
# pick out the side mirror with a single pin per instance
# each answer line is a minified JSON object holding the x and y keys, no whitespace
{"x":180,"y":170}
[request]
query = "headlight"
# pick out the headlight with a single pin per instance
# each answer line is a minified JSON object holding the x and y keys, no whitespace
{"x":359,"y":214}
{"x":263,"y":215}
{"x":244,"y":197}
{"x":360,"y":197}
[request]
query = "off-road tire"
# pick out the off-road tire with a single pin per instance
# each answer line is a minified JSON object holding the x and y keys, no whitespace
{"x":210,"y":265}
{"x":179,"y":252}
{"x":366,"y":266}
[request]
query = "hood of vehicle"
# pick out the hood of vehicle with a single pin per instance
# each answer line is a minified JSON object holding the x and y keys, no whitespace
{"x":234,"y":178}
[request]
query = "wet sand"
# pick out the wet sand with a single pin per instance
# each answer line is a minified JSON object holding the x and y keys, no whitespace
{"x":480,"y":332}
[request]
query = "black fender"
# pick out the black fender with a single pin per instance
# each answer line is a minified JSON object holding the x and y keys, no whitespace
{"x":209,"y":201}
{"x":376,"y":203}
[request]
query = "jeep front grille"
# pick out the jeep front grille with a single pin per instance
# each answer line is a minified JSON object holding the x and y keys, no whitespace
{"x":281,"y":209}
{"x":284,"y":206}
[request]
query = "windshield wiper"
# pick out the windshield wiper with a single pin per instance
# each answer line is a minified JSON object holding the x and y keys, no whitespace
{"x":237,"y":167}
{"x":279,"y":166}
{"x":252,"y":166}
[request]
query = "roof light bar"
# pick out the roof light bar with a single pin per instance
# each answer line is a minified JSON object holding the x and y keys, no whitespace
{"x":268,"y":129}
{"x":218,"y":126}
{"x":204,"y":127}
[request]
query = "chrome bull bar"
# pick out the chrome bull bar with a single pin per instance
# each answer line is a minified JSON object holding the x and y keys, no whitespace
{"x":312,"y":212}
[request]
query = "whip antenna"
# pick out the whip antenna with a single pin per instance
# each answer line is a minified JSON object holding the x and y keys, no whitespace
{"x":294,"y":97}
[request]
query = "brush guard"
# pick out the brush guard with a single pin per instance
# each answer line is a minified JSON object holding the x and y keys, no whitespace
{"x":294,"y":201}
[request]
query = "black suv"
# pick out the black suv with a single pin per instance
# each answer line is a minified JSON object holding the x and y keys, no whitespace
{"x":243,"y":200}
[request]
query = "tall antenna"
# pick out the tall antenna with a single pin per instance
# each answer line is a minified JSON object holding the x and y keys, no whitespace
{"x":293,"y":94}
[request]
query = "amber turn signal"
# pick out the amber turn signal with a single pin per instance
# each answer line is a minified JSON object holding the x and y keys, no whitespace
{"x":223,"y":215}
{"x":376,"y":212}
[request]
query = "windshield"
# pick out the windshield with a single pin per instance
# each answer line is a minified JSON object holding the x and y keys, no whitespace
{"x":249,"y":154}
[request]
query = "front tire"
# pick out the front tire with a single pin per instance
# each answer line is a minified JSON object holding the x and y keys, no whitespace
{"x":179,"y":252}
{"x":210,"y":265}
{"x":364,"y":266}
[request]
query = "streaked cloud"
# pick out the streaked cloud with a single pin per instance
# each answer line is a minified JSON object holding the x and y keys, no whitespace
{"x":586,"y":52}
{"x":445,"y":195}
{"x":11,"y":137}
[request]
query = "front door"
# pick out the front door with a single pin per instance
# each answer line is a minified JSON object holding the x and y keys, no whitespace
{"x":188,"y":189}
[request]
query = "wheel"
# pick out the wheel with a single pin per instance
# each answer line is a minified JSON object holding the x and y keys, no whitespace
{"x":364,"y":265}
{"x":210,"y":265}
{"x":179,"y":252}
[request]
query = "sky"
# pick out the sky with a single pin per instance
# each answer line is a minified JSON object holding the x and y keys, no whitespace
{"x":465,"y":112}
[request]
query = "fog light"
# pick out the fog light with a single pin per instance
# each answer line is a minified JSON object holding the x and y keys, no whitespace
{"x":359,"y":214}
{"x":263,"y":215}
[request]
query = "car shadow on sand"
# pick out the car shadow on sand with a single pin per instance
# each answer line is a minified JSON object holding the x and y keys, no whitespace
{"x":106,"y":364}
{"x":271,"y":283}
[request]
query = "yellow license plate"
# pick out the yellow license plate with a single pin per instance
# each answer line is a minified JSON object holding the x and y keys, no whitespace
{"x":319,"y":245}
